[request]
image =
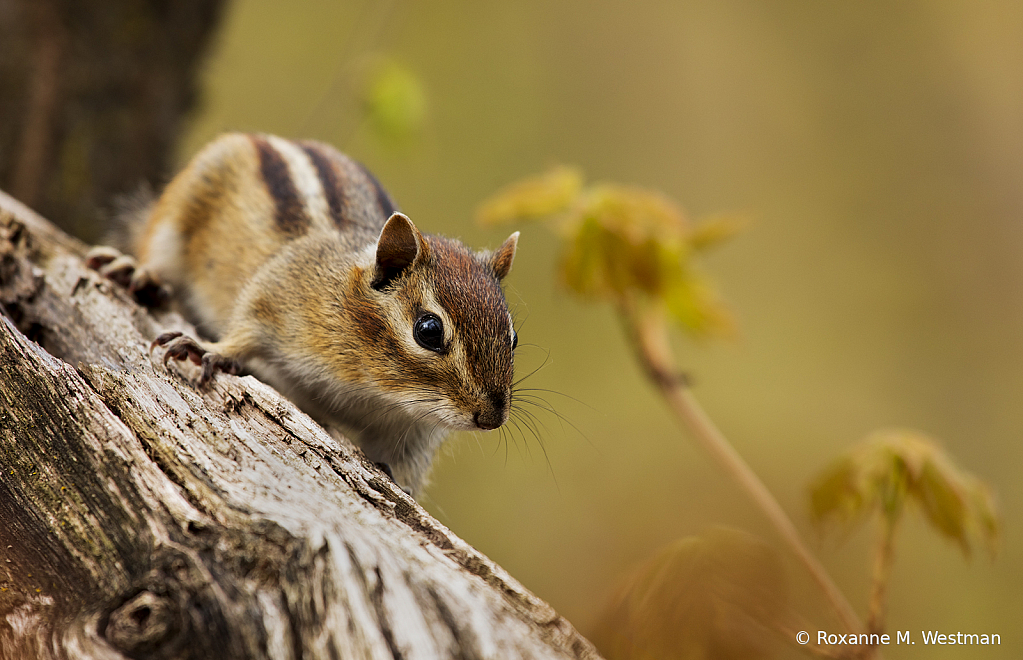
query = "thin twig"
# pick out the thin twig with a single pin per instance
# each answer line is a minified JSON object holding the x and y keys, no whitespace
{"x":366,"y":31}
{"x":651,"y":342}
{"x":882,"y":572}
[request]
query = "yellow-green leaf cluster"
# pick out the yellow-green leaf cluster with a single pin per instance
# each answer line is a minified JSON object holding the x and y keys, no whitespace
{"x":622,"y":239}
{"x":533,"y":198}
{"x":892,"y":467}
{"x":623,"y":244}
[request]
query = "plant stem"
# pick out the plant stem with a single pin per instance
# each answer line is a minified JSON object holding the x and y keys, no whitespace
{"x":651,"y":341}
{"x":882,"y":571}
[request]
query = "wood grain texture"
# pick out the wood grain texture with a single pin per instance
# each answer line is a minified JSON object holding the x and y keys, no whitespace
{"x":143,"y":518}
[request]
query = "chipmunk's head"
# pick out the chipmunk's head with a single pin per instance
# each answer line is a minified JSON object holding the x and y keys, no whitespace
{"x":449,"y":348}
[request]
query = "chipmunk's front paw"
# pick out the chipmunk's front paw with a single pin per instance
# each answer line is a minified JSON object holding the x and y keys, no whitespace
{"x":183,"y":347}
{"x":124,"y":270}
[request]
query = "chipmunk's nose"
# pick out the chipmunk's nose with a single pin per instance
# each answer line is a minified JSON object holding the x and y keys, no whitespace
{"x":492,"y":416}
{"x":486,"y":422}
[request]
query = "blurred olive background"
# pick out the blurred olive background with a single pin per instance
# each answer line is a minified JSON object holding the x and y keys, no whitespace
{"x":877,"y":148}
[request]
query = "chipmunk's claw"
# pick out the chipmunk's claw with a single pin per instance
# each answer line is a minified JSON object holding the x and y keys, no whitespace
{"x":100,"y":255}
{"x":214,"y":362}
{"x":125,"y":271}
{"x":183,"y":347}
{"x":163,"y":340}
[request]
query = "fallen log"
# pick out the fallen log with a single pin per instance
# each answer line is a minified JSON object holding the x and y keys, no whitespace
{"x":141,"y":517}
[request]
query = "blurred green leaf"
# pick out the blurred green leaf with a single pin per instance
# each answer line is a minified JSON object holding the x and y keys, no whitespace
{"x":721,"y":595}
{"x":533,"y":198}
{"x":693,"y":302}
{"x":709,"y":232}
{"x":394,"y":102}
{"x":894,"y":466}
{"x":623,"y":243}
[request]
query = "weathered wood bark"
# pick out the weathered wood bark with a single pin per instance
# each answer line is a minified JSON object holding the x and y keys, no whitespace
{"x":141,"y":517}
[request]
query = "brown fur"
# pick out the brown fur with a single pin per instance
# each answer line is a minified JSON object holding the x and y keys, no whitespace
{"x":285,"y":252}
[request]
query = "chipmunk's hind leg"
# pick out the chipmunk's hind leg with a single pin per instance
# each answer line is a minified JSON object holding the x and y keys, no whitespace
{"x":182,"y":347}
{"x":125,"y":271}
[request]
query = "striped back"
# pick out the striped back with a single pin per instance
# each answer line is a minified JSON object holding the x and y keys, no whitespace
{"x":314,"y":185}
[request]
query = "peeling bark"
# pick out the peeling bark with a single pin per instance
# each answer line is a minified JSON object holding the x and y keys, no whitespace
{"x":143,"y":518}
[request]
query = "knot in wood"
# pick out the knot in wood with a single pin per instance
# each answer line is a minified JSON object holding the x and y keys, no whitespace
{"x":142,"y":624}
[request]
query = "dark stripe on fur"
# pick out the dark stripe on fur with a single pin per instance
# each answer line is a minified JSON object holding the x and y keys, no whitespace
{"x":384,"y":201}
{"x":290,"y":214}
{"x":330,"y":182}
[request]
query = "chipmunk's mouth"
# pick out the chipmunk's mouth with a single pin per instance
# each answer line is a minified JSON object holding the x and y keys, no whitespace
{"x":451,"y":417}
{"x":490,"y":415}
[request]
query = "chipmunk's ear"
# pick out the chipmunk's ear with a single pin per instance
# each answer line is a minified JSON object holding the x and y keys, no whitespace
{"x":501,"y":261}
{"x":399,"y":245}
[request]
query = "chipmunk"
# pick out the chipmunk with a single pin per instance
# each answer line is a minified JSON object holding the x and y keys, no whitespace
{"x":294,"y":260}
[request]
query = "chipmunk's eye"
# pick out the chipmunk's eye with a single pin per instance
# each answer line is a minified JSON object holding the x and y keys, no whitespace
{"x":515,"y":339}
{"x":429,"y":333}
